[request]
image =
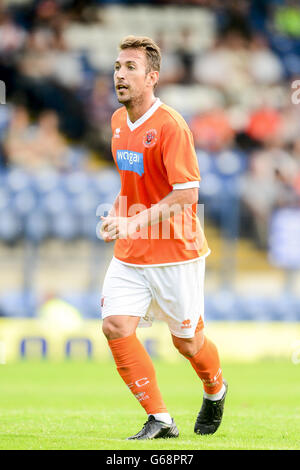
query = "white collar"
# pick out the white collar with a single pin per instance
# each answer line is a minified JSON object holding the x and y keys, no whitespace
{"x":133,"y":125}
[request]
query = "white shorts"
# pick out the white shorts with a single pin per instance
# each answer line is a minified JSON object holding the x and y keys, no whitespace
{"x":173,"y":293}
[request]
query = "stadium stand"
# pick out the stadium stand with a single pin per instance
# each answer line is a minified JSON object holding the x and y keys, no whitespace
{"x":227,"y":67}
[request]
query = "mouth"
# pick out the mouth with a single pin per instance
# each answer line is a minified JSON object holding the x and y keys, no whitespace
{"x":121,"y":87}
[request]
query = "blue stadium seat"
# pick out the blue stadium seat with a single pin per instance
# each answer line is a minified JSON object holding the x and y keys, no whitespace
{"x":205,"y":162}
{"x":55,"y":202}
{"x":11,"y":228}
{"x":37,"y":227}
{"x":65,"y":225}
{"x":24,"y":202}
{"x":221,"y":306}
{"x":46,"y":181}
{"x":19,"y":304}
{"x":229,"y":163}
{"x":291,"y":63}
{"x":76,"y":182}
{"x":5,"y":198}
{"x":88,"y":226}
{"x":17,"y":180}
{"x":86,"y":203}
{"x":107,"y":185}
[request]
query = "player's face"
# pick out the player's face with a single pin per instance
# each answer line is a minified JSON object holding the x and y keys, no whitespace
{"x":131,"y":78}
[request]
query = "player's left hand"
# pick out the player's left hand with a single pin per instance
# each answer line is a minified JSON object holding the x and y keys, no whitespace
{"x":117,"y":227}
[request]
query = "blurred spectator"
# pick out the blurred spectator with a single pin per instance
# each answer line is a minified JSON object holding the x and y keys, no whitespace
{"x":101,"y":103}
{"x":264,"y":66}
{"x":171,"y":68}
{"x":234,"y":16}
{"x":287,"y":18}
{"x":269,"y":183}
{"x":185,"y":53}
{"x":264,"y":124}
{"x":12,"y":37}
{"x":226,"y":64}
{"x":17,"y":142}
{"x":36,"y":146}
{"x":212,"y":130}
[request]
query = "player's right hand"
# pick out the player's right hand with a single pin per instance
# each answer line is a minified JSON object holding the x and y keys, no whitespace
{"x":104,"y":235}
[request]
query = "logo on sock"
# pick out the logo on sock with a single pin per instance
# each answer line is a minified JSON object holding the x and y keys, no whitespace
{"x":214,"y":381}
{"x":142,"y":382}
{"x":139,"y":383}
{"x":141,"y":396}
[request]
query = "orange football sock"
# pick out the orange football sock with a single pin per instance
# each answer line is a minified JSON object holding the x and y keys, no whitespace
{"x":207,"y":366}
{"x":136,"y":369}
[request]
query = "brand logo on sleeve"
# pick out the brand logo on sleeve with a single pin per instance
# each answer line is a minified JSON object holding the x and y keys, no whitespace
{"x":129,"y":160}
{"x":117,"y":133}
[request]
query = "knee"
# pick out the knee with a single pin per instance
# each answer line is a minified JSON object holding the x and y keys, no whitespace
{"x":111,"y":329}
{"x":188,"y":347}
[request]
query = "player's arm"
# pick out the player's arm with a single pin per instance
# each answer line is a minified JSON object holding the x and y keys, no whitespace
{"x":174,"y":203}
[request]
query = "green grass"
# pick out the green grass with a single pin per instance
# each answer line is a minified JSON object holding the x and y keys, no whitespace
{"x":85,"y":405}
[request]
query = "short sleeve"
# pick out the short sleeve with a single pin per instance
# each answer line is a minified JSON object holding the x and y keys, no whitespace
{"x":179,"y":154}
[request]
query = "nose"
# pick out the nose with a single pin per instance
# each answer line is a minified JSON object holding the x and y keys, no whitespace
{"x":119,"y":74}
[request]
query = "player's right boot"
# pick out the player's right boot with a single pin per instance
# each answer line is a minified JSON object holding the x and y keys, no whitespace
{"x":154,"y":429}
{"x":210,"y":416}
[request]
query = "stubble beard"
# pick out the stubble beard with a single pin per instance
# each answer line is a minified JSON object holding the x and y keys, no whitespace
{"x":131,"y":101}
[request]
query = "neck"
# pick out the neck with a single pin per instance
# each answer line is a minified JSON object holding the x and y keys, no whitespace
{"x":138,"y":109}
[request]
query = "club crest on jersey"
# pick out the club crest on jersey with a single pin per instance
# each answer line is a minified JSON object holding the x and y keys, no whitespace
{"x":150,"y":138}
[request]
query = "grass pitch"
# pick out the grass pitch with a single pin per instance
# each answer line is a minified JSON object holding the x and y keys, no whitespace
{"x":85,"y":405}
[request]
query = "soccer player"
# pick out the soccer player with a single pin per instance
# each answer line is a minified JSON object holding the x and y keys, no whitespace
{"x":156,"y":273}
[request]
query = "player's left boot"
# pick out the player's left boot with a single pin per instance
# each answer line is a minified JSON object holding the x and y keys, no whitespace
{"x":210,"y":416}
{"x":154,"y":429}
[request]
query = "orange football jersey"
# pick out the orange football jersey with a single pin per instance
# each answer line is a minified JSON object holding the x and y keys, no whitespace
{"x":155,"y":155}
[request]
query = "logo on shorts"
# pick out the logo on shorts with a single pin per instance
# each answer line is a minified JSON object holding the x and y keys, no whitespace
{"x":102,"y":302}
{"x":150,"y":138}
{"x":186,"y":324}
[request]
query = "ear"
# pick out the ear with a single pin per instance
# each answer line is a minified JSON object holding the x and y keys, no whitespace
{"x":152,"y":78}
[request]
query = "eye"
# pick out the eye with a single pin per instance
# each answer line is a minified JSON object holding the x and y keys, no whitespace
{"x":131,"y":67}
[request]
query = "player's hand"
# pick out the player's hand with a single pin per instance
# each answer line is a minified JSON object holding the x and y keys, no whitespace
{"x":117,"y":227}
{"x":104,"y":234}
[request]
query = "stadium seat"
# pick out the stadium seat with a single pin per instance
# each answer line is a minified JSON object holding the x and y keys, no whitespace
{"x":24,"y":202}
{"x":37,"y":227}
{"x":229,"y":163}
{"x":19,"y":304}
{"x":65,"y":225}
{"x":17,"y":180}
{"x":5,"y":197}
{"x":46,"y":181}
{"x":11,"y":227}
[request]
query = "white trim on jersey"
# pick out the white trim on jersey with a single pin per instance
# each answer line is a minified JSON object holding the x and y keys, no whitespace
{"x":133,"y":125}
{"x":187,"y":185}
